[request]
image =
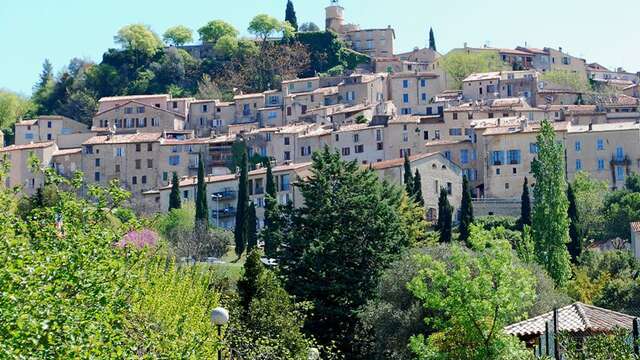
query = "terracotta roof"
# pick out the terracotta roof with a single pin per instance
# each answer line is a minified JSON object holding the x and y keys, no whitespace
{"x":62,"y":152}
{"x":191,"y":141}
{"x":27,"y":122}
{"x":623,"y":100}
{"x":483,"y":76}
{"x":618,"y":126}
{"x":300,"y":80}
{"x":248,"y":96}
{"x":533,"y":50}
{"x":139,"y":103}
{"x":380,"y":165}
{"x":635,"y":226}
{"x":514,"y":52}
{"x":574,"y":318}
{"x":38,"y":145}
{"x":123,"y":138}
{"x":132,"y":97}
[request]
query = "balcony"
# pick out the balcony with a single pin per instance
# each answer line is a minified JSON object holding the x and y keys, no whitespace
{"x":224,"y":195}
{"x":223,"y":213}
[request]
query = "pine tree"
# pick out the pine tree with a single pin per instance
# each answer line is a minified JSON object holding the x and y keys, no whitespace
{"x":575,"y":246}
{"x":252,"y":227}
{"x":466,"y":211}
{"x":202,"y":212}
{"x":240,"y":231}
{"x":290,"y":15}
{"x":445,"y":212}
{"x":271,"y":234}
{"x":174,"y":198}
{"x":525,"y":206}
{"x":408,"y":178}
{"x":550,"y":221}
{"x":248,"y":283}
{"x":417,"y":189}
{"x":432,"y":40}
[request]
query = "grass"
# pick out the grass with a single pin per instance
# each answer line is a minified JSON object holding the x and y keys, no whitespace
{"x":232,"y":266}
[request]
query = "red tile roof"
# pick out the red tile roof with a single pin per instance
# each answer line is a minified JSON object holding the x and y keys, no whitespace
{"x":38,"y":145}
{"x":123,"y":138}
{"x":380,"y":165}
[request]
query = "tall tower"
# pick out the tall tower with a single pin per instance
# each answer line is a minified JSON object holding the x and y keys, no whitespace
{"x":334,"y":17}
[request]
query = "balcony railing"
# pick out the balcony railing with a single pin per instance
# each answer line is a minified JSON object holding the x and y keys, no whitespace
{"x":224,"y":195}
{"x":222,"y":213}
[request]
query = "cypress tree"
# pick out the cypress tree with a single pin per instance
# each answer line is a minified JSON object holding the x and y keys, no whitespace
{"x":252,"y":227}
{"x":248,"y":283}
{"x":432,"y":40}
{"x":525,"y":205}
{"x":240,"y":231}
{"x":575,"y":244}
{"x":202,"y":216}
{"x":466,"y":211}
{"x":550,"y":222}
{"x":445,"y":212}
{"x":290,"y":15}
{"x":174,"y":198}
{"x":408,"y":178}
{"x":417,"y":189}
{"x":271,"y":234}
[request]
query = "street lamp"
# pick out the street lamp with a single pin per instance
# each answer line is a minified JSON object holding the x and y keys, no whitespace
{"x":217,"y":198}
{"x":219,"y":317}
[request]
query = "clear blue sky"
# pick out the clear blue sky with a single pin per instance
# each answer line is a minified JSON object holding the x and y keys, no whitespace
{"x":32,"y":30}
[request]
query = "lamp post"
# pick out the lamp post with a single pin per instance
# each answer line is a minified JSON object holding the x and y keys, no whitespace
{"x":217,"y":198}
{"x":219,"y":317}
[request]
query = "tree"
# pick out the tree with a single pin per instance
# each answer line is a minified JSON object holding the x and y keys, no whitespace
{"x":202,"y":211}
{"x":408,"y":178}
{"x":290,"y":15}
{"x":445,"y":213}
{"x":271,"y":234}
{"x":248,"y":282}
{"x":240,"y":231}
{"x":566,"y":79}
{"x":226,"y":47}
{"x":178,"y":35}
{"x":575,"y":244}
{"x":466,"y":211}
{"x":460,"y":64}
{"x":622,"y":207}
{"x":479,"y":292}
{"x":13,"y":107}
{"x":174,"y":197}
{"x":330,"y":248}
{"x":139,"y":38}
{"x":309,"y":27}
{"x":432,"y":40}
{"x":550,"y":221}
{"x":208,"y":89}
{"x":525,"y":205}
{"x":263,"y":26}
{"x":590,"y":197}
{"x":252,"y":227}
{"x":216,"y":29}
{"x":417,"y":189}
{"x":43,"y":88}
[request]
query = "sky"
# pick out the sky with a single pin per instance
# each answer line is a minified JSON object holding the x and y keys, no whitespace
{"x":32,"y":30}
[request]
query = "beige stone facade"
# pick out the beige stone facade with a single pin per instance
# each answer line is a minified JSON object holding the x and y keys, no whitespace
{"x":64,"y":131}
{"x":18,"y":158}
{"x":136,"y":115}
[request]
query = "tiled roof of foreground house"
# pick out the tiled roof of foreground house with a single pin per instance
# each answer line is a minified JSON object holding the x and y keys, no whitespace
{"x":574,"y":318}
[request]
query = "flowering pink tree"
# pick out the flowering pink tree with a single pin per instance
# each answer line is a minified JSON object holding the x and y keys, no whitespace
{"x":139,"y":239}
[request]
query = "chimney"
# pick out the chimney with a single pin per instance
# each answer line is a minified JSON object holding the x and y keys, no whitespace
{"x":560,"y":48}
{"x":590,"y":126}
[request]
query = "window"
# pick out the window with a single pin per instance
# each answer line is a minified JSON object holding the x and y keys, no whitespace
{"x":533,"y":148}
{"x":405,"y":152}
{"x":464,"y":156}
{"x":449,"y":188}
{"x":119,"y":151}
{"x":284,"y":183}
{"x":337,"y":137}
{"x":470,"y":116}
{"x":436,"y":135}
{"x":447,"y":154}
{"x":578,"y":146}
{"x":513,"y":157}
{"x":175,"y":104}
{"x":405,"y":84}
{"x":619,"y":173}
{"x":49,"y":124}
{"x":515,"y":171}
{"x":140,"y":109}
{"x":497,"y":171}
{"x":134,"y":180}
{"x":346,"y":151}
{"x":423,"y":96}
{"x":600,"y":144}
{"x":48,"y":136}
{"x":149,"y":163}
{"x":378,"y":135}
{"x":455,"y":131}
{"x":619,"y":153}
{"x":165,"y":176}
{"x":288,"y":110}
{"x":174,"y":160}
{"x":291,"y":86}
{"x":138,"y":164}
{"x":455,"y":116}
{"x":380,"y":146}
{"x":578,"y":164}
{"x":28,"y":136}
{"x":356,"y":138}
{"x":272,"y":115}
{"x":425,"y":135}
{"x":309,"y":85}
{"x":423,"y":82}
{"x":138,"y":147}
{"x":405,"y":111}
{"x":286,"y":141}
{"x":185,"y":194}
{"x":497,"y":157}
{"x":600,"y":164}
{"x":287,"y":155}
{"x":144,"y":179}
{"x":97,"y":162}
{"x":405,"y":136}
{"x":405,"y":98}
{"x":359,"y":149}
{"x":128,"y":110}
{"x":149,"y":147}
{"x":350,"y":95}
{"x":205,"y":108}
{"x":117,"y":168}
{"x":305,"y":150}
{"x":96,"y":176}
{"x":155,"y":122}
{"x":506,"y":186}
{"x":490,"y":115}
